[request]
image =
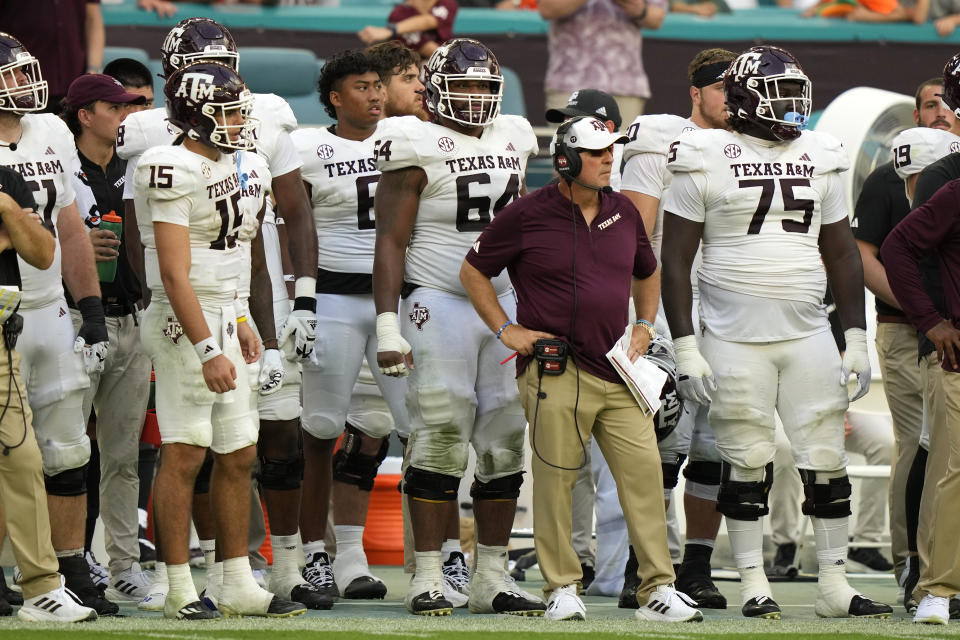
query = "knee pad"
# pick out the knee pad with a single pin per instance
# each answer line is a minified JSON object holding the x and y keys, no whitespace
{"x":350,"y":466}
{"x":281,"y":475}
{"x":505,"y":488}
{"x":61,"y":432}
{"x":743,"y":492}
{"x":202,"y":482}
{"x":69,"y":483}
{"x":671,"y":472}
{"x":826,"y":493}
{"x":427,"y":486}
{"x":703,"y":472}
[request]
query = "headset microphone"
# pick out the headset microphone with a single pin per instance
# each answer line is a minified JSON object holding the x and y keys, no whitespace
{"x":607,"y":190}
{"x":12,"y":146}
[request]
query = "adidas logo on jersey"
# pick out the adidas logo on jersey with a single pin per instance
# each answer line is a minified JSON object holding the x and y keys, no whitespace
{"x":62,"y":313}
{"x":510,"y":147}
{"x":50,"y":152}
{"x":805,"y":158}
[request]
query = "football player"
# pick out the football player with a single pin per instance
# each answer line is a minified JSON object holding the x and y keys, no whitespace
{"x":40,"y":147}
{"x":767,"y":202}
{"x":281,"y":460}
{"x":197,"y":194}
{"x":645,"y":179}
{"x":441,"y":183}
{"x":400,"y":74}
{"x":341,"y":178}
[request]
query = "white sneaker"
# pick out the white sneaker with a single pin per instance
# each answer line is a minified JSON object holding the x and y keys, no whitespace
{"x":933,"y":610}
{"x":156,"y":598}
{"x":354,"y":577}
{"x":132,"y":585}
{"x":500,"y":594}
{"x":564,"y":604}
{"x":59,"y":605}
{"x":666,"y":604}
{"x":456,"y":580}
{"x":98,"y":574}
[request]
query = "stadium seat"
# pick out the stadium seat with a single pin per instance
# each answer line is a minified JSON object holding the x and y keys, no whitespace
{"x":156,"y":68}
{"x":513,"y":102}
{"x":289,"y":73}
{"x":112,"y":53}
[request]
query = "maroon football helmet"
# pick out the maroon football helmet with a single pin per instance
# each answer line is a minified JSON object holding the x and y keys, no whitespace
{"x":196,"y":39}
{"x":660,"y":353}
{"x":951,"y":84}
{"x":202,"y":97}
{"x":765,"y":86}
{"x":24,"y":95}
{"x":463,"y":59}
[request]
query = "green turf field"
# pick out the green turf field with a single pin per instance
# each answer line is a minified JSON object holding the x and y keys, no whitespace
{"x":388,"y":619}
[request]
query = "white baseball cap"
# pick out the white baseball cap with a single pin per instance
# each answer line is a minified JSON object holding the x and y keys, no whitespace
{"x":587,"y":133}
{"x":916,"y":148}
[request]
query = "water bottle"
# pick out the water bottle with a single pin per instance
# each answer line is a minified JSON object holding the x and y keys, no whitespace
{"x":111,"y":222}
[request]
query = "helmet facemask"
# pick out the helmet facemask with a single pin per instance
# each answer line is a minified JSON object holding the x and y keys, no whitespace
{"x":23,"y":98}
{"x":221,"y":134}
{"x":784,"y":104}
{"x":210,"y":53}
{"x":469,"y":109}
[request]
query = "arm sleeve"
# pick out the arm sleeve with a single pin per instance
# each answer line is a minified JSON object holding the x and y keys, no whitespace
{"x":643,"y":173}
{"x":500,"y":242}
{"x":871,"y":220}
{"x":685,"y":196}
{"x":918,"y":235}
{"x":833,"y":205}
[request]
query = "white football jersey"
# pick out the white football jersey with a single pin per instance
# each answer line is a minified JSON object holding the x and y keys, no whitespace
{"x":343,"y":177}
{"x":762,"y":204}
{"x":653,"y":139}
{"x":46,"y":157}
{"x":254,"y":186}
{"x":914,"y":149}
{"x":145,"y":129}
{"x":181,"y":187}
{"x":468,"y":180}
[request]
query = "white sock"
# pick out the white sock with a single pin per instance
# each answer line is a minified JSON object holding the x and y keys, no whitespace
{"x":182,"y":589}
{"x":429,"y":567}
{"x":209,"y":548}
{"x":451,"y":545}
{"x":317,"y":546}
{"x":237,"y":574}
{"x":491,"y":560}
{"x":703,"y":542}
{"x":746,"y":541}
{"x":285,"y":554}
{"x":349,"y":537}
{"x":214,"y":579}
{"x":831,"y":537}
{"x":160,"y":573}
{"x":142,"y":518}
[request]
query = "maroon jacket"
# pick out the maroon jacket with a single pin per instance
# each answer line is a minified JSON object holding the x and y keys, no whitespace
{"x":932,"y":228}
{"x":533,"y":238}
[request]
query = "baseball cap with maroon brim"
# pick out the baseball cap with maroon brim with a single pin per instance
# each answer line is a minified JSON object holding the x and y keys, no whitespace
{"x":588,"y":102}
{"x":588,"y":134}
{"x":97,"y":86}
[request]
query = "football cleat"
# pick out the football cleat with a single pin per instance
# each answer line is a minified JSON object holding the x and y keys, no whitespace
{"x":761,"y":607}
{"x":98,"y":574}
{"x":456,"y":580}
{"x":195,"y":610}
{"x":425,"y":598}
{"x":694,"y":580}
{"x":319,"y":572}
{"x":76,"y":573}
{"x":666,"y":604}
{"x":502,"y":595}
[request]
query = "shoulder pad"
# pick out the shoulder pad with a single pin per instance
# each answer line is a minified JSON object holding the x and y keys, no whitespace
{"x":654,"y":133}
{"x":270,"y":106}
{"x":406,"y":141}
{"x":142,"y":130}
{"x":691,"y":150}
{"x":827,"y":151}
{"x":527,"y":139}
{"x":167,"y":173}
{"x":916,"y":148}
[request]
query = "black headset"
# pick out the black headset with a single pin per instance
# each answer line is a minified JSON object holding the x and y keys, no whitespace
{"x":566,"y":159}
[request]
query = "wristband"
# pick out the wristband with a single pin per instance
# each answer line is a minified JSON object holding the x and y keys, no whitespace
{"x":505,"y":325}
{"x":305,"y":287}
{"x":646,"y":324}
{"x":207,"y":349}
{"x":393,"y":30}
{"x":289,"y":277}
{"x":241,"y":319}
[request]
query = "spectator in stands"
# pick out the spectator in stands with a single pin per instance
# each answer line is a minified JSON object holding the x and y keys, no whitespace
{"x":420,"y":25}
{"x":502,"y":5}
{"x":944,"y":13}
{"x":135,"y":78}
{"x":866,"y":10}
{"x":164,"y":8}
{"x":68,"y":42}
{"x":703,"y":8}
{"x":597,"y":43}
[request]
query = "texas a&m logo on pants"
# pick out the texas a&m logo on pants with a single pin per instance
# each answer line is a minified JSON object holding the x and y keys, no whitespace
{"x":419,"y":315}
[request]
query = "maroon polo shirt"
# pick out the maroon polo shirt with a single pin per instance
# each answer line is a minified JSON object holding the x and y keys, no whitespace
{"x":445,"y":11}
{"x":533,"y":238}
{"x":931,"y":229}
{"x":55,"y":32}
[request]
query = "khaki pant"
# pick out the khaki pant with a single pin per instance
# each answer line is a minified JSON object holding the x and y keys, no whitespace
{"x":625,"y":436}
{"x":23,"y":497}
{"x":897,"y":350}
{"x":941,"y":577}
{"x":119,"y":394}
{"x":630,"y":106}
{"x":933,"y":393}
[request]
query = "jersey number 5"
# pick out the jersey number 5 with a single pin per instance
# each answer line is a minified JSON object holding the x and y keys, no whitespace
{"x":790,"y":203}
{"x":473,"y":212}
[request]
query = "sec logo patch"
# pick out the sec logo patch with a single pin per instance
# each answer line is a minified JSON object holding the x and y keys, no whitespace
{"x":732,"y":151}
{"x":324,"y":152}
{"x":445,"y":144}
